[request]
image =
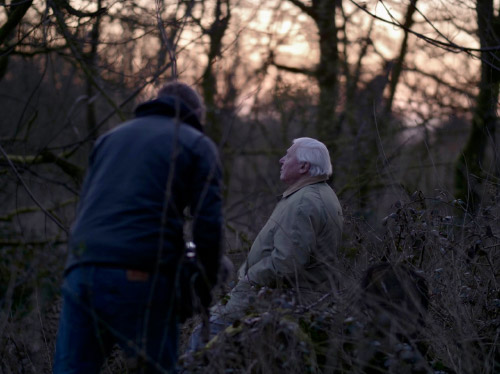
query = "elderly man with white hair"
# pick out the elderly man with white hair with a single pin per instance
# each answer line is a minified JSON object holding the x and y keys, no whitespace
{"x":297,"y":247}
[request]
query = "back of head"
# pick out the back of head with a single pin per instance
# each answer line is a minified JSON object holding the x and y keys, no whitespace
{"x":316,"y":154}
{"x":187,"y":95}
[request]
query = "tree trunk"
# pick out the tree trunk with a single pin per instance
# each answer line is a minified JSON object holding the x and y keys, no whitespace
{"x":469,"y":167}
{"x":327,"y":126}
{"x":15,"y":16}
{"x":398,"y":66}
{"x":91,"y":59}
{"x":216,"y":32}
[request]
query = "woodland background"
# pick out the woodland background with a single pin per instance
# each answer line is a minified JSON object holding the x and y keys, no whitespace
{"x":404,"y":93}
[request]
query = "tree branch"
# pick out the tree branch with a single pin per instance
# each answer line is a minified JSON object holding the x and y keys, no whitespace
{"x":295,"y":70}
{"x":77,"y":145}
{"x":47,"y":157}
{"x":78,"y":13}
{"x":449,"y":46}
{"x":68,"y":37}
{"x":45,"y":211}
{"x":167,"y":43}
{"x":14,"y":19}
{"x":306,"y":9}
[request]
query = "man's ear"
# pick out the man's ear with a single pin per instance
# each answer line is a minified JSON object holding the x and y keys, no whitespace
{"x":304,"y":167}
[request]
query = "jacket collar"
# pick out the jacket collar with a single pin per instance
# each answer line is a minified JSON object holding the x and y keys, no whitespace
{"x":306,"y":181}
{"x":169,"y":106}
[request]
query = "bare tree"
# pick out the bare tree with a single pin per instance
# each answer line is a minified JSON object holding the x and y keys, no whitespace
{"x":471,"y":168}
{"x":15,"y":14}
{"x":323,"y":13}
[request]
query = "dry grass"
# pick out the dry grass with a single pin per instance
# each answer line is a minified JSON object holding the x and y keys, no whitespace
{"x":456,"y":254}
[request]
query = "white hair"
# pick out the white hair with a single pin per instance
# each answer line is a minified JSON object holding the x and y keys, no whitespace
{"x":313,"y":151}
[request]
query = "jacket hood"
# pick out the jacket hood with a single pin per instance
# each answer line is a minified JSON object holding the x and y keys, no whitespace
{"x":169,"y":106}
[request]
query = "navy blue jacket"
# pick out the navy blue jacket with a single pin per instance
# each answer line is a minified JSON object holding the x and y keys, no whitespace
{"x":142,"y":175}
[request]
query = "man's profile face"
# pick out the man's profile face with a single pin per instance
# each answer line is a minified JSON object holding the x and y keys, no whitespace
{"x":291,"y":169}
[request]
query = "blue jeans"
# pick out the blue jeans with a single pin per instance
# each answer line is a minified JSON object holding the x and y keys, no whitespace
{"x":103,"y":306}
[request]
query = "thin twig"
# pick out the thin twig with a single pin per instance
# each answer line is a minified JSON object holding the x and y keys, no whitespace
{"x":449,"y":46}
{"x":165,"y":40}
{"x":35,"y":200}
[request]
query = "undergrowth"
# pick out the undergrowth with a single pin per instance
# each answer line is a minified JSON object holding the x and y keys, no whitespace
{"x":457,"y":332}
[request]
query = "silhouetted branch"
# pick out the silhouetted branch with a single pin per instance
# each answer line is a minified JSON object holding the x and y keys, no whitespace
{"x":295,"y":70}
{"x":35,"y":200}
{"x":80,"y":60}
{"x":78,"y":13}
{"x":91,"y":135}
{"x":449,"y":46}
{"x":303,"y":7}
{"x":14,"y":19}
{"x":398,"y":65}
{"x":166,"y":42}
{"x":47,"y":157}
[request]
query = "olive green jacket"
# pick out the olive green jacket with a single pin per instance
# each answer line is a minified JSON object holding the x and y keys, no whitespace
{"x":298,"y":245}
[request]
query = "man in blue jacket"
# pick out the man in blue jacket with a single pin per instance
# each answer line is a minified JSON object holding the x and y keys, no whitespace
{"x":127,"y":241}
